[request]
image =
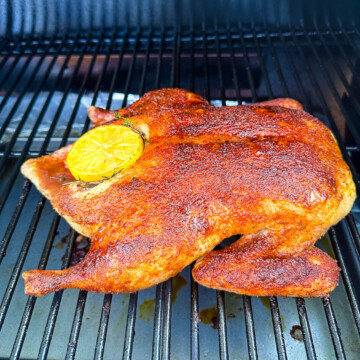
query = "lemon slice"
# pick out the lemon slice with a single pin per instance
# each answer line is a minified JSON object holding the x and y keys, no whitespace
{"x":103,"y":152}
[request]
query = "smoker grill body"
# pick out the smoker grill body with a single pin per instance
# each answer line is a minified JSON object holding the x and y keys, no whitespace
{"x":58,"y":59}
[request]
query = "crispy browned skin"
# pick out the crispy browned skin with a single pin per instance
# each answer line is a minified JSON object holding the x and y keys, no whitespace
{"x":311,"y":273}
{"x":273,"y":174}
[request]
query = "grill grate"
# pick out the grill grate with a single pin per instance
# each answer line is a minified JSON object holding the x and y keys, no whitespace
{"x":57,"y":79}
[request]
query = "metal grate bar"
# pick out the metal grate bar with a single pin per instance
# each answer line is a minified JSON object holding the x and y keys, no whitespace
{"x":14,"y":219}
{"x":248,"y":68}
{"x":263,"y":67}
{"x":76,"y":326}
{"x":3,"y":44}
{"x":20,"y":262}
{"x":334,"y":329}
{"x":351,"y":43}
{"x":223,"y":344}
{"x":305,"y":328}
{"x":23,"y":92}
{"x":275,"y":312}
{"x":146,"y":63}
{"x":103,"y":326}
{"x":345,"y":275}
{"x":194,"y":287}
{"x":12,"y":67}
{"x":220,"y":298}
{"x":250,"y":328}
{"x":323,"y":104}
{"x":354,"y":230}
{"x":162,"y":320}
{"x":131,"y":69}
{"x":206,"y":68}
{"x":80,"y":93}
{"x":277,"y":65}
{"x":342,"y":51}
{"x":357,"y":32}
{"x":295,"y":73}
{"x":63,"y":99}
{"x":167,"y":288}
{"x":166,"y":321}
{"x":159,"y":303}
{"x":7,"y":189}
{"x":279,"y":71}
{"x":159,"y":62}
{"x":278,"y":330}
{"x":329,"y":116}
{"x":27,"y":184}
{"x":344,"y":272}
{"x":130,"y":327}
{"x":325,"y":72}
{"x":326,"y":110}
{"x":14,"y":85}
{"x":156,"y":347}
{"x":220,"y":72}
{"x":117,"y":70}
{"x":195,"y":347}
{"x":274,"y":306}
{"x":80,"y":306}
{"x":8,"y":54}
{"x":105,"y":312}
{"x":14,"y":136}
{"x":55,"y":305}
{"x":233,"y":67}
{"x":52,"y":317}
{"x":29,"y":307}
{"x":175,"y":68}
{"x":322,"y":100}
{"x":131,"y":320}
{"x":249,"y":321}
{"x":100,"y":79}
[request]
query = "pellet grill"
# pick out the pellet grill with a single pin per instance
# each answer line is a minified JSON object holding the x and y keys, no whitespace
{"x":58,"y":58}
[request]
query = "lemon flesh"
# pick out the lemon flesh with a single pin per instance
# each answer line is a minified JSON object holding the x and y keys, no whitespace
{"x":103,"y":152}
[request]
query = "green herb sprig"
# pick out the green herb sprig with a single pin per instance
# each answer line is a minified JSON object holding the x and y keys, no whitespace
{"x":127,"y":122}
{"x":61,"y":178}
{"x":92,"y":184}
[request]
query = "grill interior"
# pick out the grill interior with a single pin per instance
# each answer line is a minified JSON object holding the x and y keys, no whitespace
{"x":46,"y":85}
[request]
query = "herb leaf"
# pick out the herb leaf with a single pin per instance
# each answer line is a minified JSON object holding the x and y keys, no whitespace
{"x":128,"y":123}
{"x":61,"y":178}
{"x":91,"y":184}
{"x":117,"y":116}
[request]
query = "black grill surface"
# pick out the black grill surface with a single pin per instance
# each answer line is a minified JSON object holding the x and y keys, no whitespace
{"x":46,"y":85}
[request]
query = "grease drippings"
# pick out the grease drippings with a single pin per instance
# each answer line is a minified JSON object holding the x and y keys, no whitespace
{"x":60,"y":245}
{"x":147,"y":309}
{"x":266,"y":302}
{"x":80,"y":249}
{"x":210,"y":316}
{"x":178,"y":283}
{"x":296,"y":333}
{"x":325,"y":242}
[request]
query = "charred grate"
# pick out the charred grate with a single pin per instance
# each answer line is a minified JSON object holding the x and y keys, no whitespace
{"x":46,"y":84}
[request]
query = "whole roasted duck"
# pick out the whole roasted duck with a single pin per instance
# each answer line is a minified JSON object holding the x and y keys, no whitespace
{"x":268,"y":171}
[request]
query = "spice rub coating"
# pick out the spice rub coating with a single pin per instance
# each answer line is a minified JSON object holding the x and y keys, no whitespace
{"x":271,"y":173}
{"x":311,"y":273}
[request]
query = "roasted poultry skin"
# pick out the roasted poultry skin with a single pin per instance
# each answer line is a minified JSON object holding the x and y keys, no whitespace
{"x":268,"y":171}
